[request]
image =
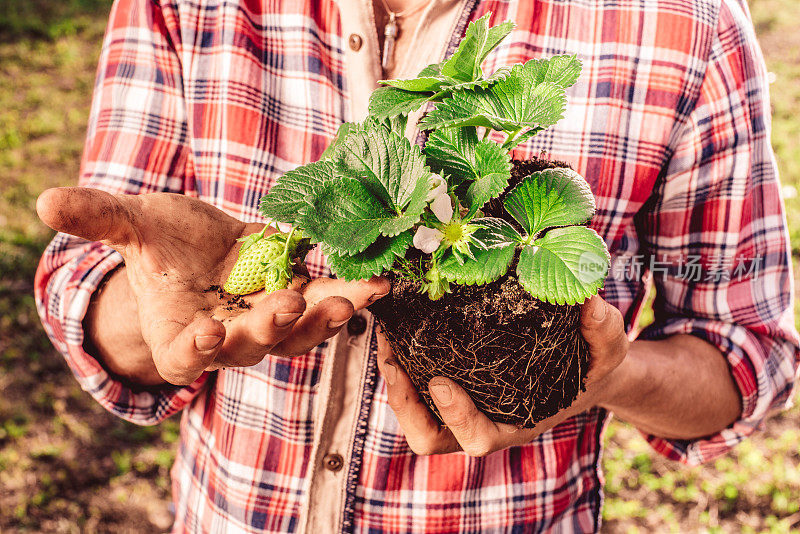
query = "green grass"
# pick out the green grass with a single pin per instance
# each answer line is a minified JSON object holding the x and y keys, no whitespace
{"x":778,"y":26}
{"x":66,"y":465}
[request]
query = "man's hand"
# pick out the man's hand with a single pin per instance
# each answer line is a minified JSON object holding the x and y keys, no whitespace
{"x":175,"y":248}
{"x":468,"y":429}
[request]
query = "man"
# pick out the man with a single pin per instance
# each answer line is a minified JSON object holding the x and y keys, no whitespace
{"x":285,"y":431}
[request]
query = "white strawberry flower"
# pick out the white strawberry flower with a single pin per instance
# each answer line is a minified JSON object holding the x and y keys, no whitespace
{"x":428,"y":239}
{"x":438,"y":186}
{"x":442,"y":207}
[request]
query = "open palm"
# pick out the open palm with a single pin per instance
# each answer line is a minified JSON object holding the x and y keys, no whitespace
{"x":175,"y":249}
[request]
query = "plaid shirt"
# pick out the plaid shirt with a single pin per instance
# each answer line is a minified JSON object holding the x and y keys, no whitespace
{"x":670,"y":124}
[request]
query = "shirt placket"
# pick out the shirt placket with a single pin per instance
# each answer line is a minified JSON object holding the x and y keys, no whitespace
{"x":344,"y":370}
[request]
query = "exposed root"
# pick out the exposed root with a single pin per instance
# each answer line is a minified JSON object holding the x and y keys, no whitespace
{"x":520,"y":359}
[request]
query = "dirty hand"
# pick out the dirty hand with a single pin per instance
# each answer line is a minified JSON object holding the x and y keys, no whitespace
{"x":468,"y":429}
{"x":175,"y":248}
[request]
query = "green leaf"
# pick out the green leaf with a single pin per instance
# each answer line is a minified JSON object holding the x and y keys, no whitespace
{"x":479,"y":40}
{"x":289,"y":196}
{"x":566,"y":266}
{"x":561,"y":70}
{"x":387,"y":163}
{"x":461,"y":71}
{"x":451,"y":85}
{"x":411,"y":213}
{"x":431,"y":71}
{"x":387,"y":102}
{"x":424,"y":84}
{"x":494,"y":233}
{"x":451,"y":151}
{"x":495,"y":170}
{"x":488,"y":265}
{"x":548,"y":198}
{"x":374,"y":261}
{"x":458,"y":153}
{"x":514,"y":103}
{"x":345,"y":215}
{"x":426,"y":76}
{"x":341,"y":132}
{"x":396,"y":124}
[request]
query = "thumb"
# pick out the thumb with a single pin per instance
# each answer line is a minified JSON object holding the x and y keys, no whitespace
{"x":88,"y":213}
{"x":603,"y":328}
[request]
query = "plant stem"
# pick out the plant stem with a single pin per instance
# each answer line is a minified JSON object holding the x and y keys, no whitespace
{"x":288,"y":239}
{"x":512,"y":136}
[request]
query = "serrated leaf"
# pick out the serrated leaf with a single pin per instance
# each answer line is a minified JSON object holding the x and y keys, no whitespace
{"x":493,"y":179}
{"x":341,"y":132}
{"x":460,"y":72}
{"x":488,"y":265}
{"x":411,"y":213}
{"x":566,"y":266}
{"x":513,"y":103}
{"x":345,"y":215}
{"x":551,"y":197}
{"x":420,"y":85}
{"x":387,"y":102}
{"x":478,"y":42}
{"x":495,"y":233}
{"x":396,"y":124}
{"x":289,"y":196}
{"x":387,"y":163}
{"x":432,"y":70}
{"x":561,"y":70}
{"x":483,"y":82}
{"x":451,"y":151}
{"x":374,"y":261}
{"x":458,"y":153}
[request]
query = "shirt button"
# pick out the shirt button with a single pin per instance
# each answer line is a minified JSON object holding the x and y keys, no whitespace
{"x":333,"y":462}
{"x":355,"y":42}
{"x":357,"y":325}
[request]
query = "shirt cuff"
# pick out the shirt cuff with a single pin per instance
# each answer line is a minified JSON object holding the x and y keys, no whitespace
{"x":762,"y":368}
{"x":63,"y":296}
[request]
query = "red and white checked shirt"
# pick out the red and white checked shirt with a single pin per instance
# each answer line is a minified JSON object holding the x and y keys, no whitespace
{"x":669,"y":123}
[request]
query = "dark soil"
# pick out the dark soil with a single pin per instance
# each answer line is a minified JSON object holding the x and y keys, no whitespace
{"x":521,"y":360}
{"x":233,"y":302}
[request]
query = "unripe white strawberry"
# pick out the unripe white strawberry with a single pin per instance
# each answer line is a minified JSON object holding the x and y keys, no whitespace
{"x":264,"y":262}
{"x":276,"y":278}
{"x":248,"y":273}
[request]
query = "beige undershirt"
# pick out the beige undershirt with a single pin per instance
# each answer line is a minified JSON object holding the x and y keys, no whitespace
{"x":421,"y":42}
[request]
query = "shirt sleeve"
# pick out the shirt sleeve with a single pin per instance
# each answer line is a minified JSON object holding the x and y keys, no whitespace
{"x":719,"y":207}
{"x":136,"y":143}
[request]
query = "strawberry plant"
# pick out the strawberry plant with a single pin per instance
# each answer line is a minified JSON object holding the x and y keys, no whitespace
{"x":458,"y":225}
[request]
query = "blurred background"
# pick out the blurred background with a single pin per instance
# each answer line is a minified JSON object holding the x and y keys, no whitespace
{"x":68,"y":466}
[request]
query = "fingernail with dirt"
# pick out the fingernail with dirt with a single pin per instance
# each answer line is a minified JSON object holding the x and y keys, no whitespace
{"x":377,"y":296}
{"x":204,"y":343}
{"x":336,"y":324}
{"x":285,"y":319}
{"x":390,"y":372}
{"x":441,"y":393}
